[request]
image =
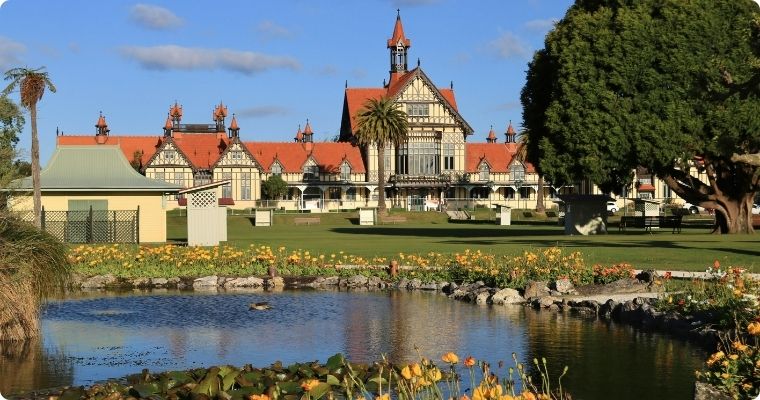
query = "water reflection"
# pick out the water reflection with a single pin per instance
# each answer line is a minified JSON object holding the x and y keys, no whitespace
{"x":35,"y":366}
{"x":111,"y":336}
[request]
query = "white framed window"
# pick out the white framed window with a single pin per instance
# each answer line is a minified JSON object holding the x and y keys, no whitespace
{"x":169,"y":154}
{"x":245,"y":186}
{"x":276,"y":169}
{"x":485,"y":172}
{"x":448,"y":156}
{"x":310,"y":172}
{"x":517,"y":172}
{"x":159,"y":176}
{"x":345,"y":172}
{"x":418,"y":109}
{"x":227,"y":188}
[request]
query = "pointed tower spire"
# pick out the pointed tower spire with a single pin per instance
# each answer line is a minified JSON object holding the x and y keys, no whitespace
{"x":101,"y":124}
{"x":299,"y":135}
{"x":398,"y":45}
{"x":491,"y":136}
{"x":511,"y":133}
{"x":234,"y":128}
{"x":168,"y":126}
{"x":308,"y":134}
{"x":175,"y":112}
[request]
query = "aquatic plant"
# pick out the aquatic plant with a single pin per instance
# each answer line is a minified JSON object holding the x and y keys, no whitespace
{"x":33,"y":266}
{"x":337,"y":378}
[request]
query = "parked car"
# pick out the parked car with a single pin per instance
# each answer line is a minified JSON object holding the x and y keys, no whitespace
{"x":692,"y":208}
{"x":612,"y":207}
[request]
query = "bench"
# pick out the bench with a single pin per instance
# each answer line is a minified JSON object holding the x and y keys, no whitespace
{"x":306,"y":220}
{"x":392,"y":219}
{"x":673,"y":222}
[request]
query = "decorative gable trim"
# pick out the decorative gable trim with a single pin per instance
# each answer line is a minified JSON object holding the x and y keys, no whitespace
{"x":236,"y":141}
{"x":167,"y":141}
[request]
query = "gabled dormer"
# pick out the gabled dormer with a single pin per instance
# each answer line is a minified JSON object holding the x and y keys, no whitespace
{"x":484,"y":171}
{"x":310,"y":170}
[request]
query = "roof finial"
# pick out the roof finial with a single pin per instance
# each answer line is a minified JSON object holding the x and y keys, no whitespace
{"x":384,"y":84}
{"x":398,"y":13}
{"x":451,"y":85}
{"x":346,"y":85}
{"x":418,"y":61}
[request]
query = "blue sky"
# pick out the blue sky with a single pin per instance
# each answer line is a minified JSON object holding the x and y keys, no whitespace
{"x":273,"y":63}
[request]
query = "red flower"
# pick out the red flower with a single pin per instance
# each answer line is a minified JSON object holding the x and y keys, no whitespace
{"x":668,"y":275}
{"x":716,"y":264}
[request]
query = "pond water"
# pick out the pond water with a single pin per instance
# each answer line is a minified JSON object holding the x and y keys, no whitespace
{"x":92,"y":337}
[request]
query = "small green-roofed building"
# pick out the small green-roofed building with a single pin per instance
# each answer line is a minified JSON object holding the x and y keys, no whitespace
{"x":92,"y":194}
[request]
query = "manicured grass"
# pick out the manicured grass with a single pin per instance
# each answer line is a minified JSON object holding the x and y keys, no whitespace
{"x":694,"y":249}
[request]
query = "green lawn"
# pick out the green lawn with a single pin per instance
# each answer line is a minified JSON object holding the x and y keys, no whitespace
{"x":693,"y":249}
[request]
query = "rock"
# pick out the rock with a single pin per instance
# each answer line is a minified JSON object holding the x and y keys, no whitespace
{"x":563,"y":286}
{"x":249,"y":282}
{"x":429,"y":286}
{"x":705,"y":391}
{"x":620,"y":286}
{"x":554,"y":307}
{"x":482,"y":297}
{"x":375,"y":282}
{"x":507,"y":296}
{"x":402,"y":283}
{"x":414,"y":284}
{"x":459,"y":294}
{"x":546,"y":301}
{"x":141,"y":282}
{"x":536,"y":289}
{"x":357,"y":281}
{"x":331,"y":281}
{"x":450,"y":288}
{"x":173,"y":282}
{"x":647,"y":276}
{"x":275,"y":282}
{"x":441,"y":286}
{"x":99,"y":281}
{"x":206,"y":281}
{"x":159,"y":282}
{"x":607,"y":310}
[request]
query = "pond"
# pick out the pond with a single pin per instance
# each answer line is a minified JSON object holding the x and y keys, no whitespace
{"x":89,"y":337}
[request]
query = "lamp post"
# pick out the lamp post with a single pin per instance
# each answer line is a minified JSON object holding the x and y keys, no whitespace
{"x":518,"y":185}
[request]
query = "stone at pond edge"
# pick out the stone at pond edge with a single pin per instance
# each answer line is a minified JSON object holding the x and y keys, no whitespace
{"x":705,"y":391}
{"x":99,"y":281}
{"x":141,"y":282}
{"x":414,"y":284}
{"x":507,"y":296}
{"x":536,"y":289}
{"x":249,"y":282}
{"x":563,"y":286}
{"x":276,"y":282}
{"x":206,"y":281}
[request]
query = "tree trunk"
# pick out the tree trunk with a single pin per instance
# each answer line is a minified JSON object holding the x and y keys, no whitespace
{"x":734,"y":215}
{"x":540,"y":207}
{"x":381,"y":208}
{"x":37,"y":195}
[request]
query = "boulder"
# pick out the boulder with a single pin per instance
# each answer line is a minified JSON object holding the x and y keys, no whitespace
{"x":141,"y":282}
{"x":647,"y":276}
{"x":449,"y":288}
{"x":607,"y":310}
{"x":249,"y":282}
{"x":275,"y":282}
{"x":482,"y":297}
{"x":206,"y":281}
{"x":705,"y":391}
{"x":331,"y":281}
{"x":563,"y":286}
{"x":414,"y":284}
{"x":356,"y":281}
{"x":375,"y":282}
{"x":429,"y":286}
{"x":536,"y":289}
{"x":402,"y":283}
{"x":99,"y":281}
{"x":507,"y":296}
{"x":159,"y":282}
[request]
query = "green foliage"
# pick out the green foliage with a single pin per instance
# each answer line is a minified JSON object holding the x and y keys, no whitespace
{"x":651,"y":83}
{"x":33,"y":266}
{"x":274,"y":188}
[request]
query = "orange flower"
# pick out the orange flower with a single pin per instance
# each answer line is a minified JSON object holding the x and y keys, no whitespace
{"x":469,"y":361}
{"x":528,"y":396}
{"x":383,"y":397}
{"x":450,"y":358}
{"x":754,"y":329}
{"x":464,"y":397}
{"x":406,"y":372}
{"x":716,"y":264}
{"x":258,"y":397}
{"x":309,"y":384}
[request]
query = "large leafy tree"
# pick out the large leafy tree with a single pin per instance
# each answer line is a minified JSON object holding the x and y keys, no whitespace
{"x":11,"y":124}
{"x":379,"y":123}
{"x":32,"y":84}
{"x":669,"y":85}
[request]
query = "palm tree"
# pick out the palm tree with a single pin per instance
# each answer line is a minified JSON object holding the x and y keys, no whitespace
{"x":379,"y":123}
{"x":522,"y":156}
{"x":32,"y":84}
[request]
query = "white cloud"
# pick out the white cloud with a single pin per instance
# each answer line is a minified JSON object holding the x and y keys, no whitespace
{"x":154,"y":17}
{"x":328,"y":70}
{"x":191,"y":58}
{"x":507,"y":45}
{"x":10,"y":52}
{"x":263,"y":111}
{"x":510,"y":105}
{"x":270,"y":30}
{"x":541,"y":25}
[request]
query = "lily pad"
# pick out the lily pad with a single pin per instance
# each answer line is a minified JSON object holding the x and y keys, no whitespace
{"x":335,"y":362}
{"x":143,"y":390}
{"x":320,"y":390}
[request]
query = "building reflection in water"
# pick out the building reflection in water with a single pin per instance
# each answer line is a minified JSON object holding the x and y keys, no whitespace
{"x":28,"y":364}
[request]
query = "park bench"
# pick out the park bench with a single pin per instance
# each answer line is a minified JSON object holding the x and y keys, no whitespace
{"x":392,"y":219}
{"x":306,"y":220}
{"x":647,"y":223}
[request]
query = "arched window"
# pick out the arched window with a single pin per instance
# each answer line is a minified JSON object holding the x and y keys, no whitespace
{"x":345,"y":172}
{"x":485,"y":172}
{"x":276,"y":169}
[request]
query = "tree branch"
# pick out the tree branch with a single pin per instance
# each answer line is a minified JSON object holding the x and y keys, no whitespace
{"x":751,"y":159}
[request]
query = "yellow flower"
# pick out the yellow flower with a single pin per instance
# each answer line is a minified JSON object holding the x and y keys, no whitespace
{"x":483,"y":392}
{"x":416,"y":369}
{"x":406,"y":373}
{"x":309,"y":384}
{"x":383,"y":397}
{"x":258,"y":397}
{"x":725,"y":375}
{"x":450,"y":358}
{"x":734,"y":357}
{"x":469,"y":361}
{"x":754,"y":329}
{"x":715,"y":357}
{"x":434,"y":374}
{"x":528,"y":396}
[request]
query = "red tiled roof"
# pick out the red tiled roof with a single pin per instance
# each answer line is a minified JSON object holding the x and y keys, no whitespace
{"x":491,"y":134}
{"x":448,"y":94}
{"x":202,"y":150}
{"x":222,"y":201}
{"x":175,"y":110}
{"x":128,"y":144}
{"x":356,"y":97}
{"x":499,"y":156}
{"x":510,"y":129}
{"x":646,"y":187}
{"x":101,"y":122}
{"x":292,"y":156}
{"x":398,"y":34}
{"x":234,"y":124}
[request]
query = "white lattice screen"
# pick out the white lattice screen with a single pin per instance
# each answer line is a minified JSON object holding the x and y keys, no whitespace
{"x":204,"y":199}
